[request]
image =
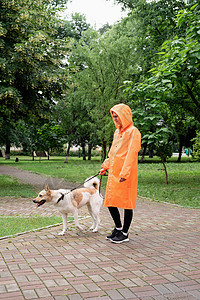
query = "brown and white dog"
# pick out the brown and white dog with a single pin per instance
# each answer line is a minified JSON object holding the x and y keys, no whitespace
{"x":67,"y":201}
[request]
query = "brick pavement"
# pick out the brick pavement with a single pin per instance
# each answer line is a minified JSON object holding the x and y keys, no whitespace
{"x":161,"y":261}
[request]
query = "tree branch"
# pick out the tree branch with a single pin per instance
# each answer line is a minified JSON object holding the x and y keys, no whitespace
{"x":192,"y":96}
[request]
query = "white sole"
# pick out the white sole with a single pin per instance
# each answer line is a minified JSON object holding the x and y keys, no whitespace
{"x":109,"y":239}
{"x":119,"y":242}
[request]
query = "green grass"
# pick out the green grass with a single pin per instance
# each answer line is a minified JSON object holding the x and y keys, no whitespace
{"x":10,"y":225}
{"x":184,"y":183}
{"x":75,"y":171}
{"x":184,"y":178}
{"x":11,"y":187}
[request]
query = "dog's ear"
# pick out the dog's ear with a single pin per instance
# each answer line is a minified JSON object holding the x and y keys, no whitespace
{"x":46,"y":187}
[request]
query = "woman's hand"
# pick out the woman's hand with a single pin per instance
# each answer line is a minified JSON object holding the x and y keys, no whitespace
{"x":122,"y":179}
{"x":102,"y":171}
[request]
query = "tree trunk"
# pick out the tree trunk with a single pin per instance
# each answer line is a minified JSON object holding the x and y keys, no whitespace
{"x":83,"y":151}
{"x":150,"y":153}
{"x":89,"y":151}
{"x":180,"y":150}
{"x":7,"y":154}
{"x":103,"y":155}
{"x":67,"y":154}
{"x":166,"y":175}
{"x":143,"y":153}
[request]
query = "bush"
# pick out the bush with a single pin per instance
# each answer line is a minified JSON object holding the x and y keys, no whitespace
{"x":196,"y":148}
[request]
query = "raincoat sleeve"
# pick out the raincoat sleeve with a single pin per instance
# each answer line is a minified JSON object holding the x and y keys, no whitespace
{"x":132,"y":154}
{"x":106,"y":164}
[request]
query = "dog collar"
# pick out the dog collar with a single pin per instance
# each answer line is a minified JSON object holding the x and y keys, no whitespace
{"x":61,"y":198}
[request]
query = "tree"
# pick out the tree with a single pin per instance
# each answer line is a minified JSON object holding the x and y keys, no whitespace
{"x":196,"y":147}
{"x":175,"y":77}
{"x":51,"y":137}
{"x":73,"y":28}
{"x":74,"y":118}
{"x":153,"y":23}
{"x":104,"y":62}
{"x":32,"y":59}
{"x":8,"y":134}
{"x":76,"y":121}
{"x":178,"y":68}
{"x":152,"y":123}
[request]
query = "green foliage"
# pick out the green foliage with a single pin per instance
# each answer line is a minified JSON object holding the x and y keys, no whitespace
{"x":51,"y":137}
{"x":156,"y":135}
{"x":196,"y":148}
{"x":8,"y":133}
{"x":174,"y":79}
{"x":31,"y":58}
{"x":154,"y":22}
{"x":177,"y":73}
{"x":42,"y":78}
{"x":103,"y":63}
{"x":73,"y":28}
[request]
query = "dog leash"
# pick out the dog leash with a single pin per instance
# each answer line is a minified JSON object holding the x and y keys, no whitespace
{"x":84,"y":182}
{"x":62,"y":195}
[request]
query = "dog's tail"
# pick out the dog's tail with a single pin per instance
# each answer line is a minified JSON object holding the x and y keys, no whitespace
{"x":93,"y":183}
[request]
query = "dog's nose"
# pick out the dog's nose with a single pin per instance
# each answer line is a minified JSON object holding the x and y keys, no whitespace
{"x":34,"y":201}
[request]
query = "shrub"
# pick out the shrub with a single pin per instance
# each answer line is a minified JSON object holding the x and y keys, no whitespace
{"x":196,"y":148}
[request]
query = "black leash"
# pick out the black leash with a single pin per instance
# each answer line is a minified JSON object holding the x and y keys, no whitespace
{"x":62,"y":195}
{"x":84,"y":182}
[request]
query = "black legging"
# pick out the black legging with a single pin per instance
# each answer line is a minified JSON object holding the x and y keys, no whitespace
{"x":128,"y":215}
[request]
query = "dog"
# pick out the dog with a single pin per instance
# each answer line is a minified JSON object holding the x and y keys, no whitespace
{"x":67,"y":201}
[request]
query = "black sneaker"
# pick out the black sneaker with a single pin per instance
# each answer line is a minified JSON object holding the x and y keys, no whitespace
{"x":113,"y":234}
{"x":119,"y":238}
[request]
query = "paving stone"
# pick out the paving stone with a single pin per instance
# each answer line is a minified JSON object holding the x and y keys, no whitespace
{"x":126,"y":293}
{"x":30,"y":294}
{"x":12,"y":287}
{"x":173,"y":288}
{"x":42,"y":292}
{"x":162,"y":289}
{"x":114,"y":295}
{"x":80,"y":288}
{"x":195,"y":293}
{"x":92,"y":287}
{"x":75,"y":297}
{"x":2,"y":289}
{"x":161,"y":261}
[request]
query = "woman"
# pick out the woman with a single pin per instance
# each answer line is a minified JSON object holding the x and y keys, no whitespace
{"x":122,"y":162}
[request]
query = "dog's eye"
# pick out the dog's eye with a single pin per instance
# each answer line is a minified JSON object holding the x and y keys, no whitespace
{"x":40,"y":195}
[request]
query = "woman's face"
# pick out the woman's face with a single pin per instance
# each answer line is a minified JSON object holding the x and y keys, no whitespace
{"x":116,"y":119}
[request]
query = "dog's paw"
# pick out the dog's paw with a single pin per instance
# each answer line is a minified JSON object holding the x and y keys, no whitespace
{"x":94,"y":230}
{"x":61,"y":233}
{"x":91,"y":228}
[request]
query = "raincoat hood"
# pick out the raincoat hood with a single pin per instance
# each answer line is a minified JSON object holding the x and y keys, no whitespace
{"x":124,"y":113}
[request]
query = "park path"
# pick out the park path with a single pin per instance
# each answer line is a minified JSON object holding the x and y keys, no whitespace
{"x":161,"y":261}
{"x":34,"y":179}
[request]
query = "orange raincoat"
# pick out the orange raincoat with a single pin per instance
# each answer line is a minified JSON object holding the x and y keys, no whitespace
{"x":122,"y":161}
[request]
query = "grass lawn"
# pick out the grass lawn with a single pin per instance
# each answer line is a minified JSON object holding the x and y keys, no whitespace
{"x":184,"y":178}
{"x":11,"y":225}
{"x":184,"y":183}
{"x":11,"y":187}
